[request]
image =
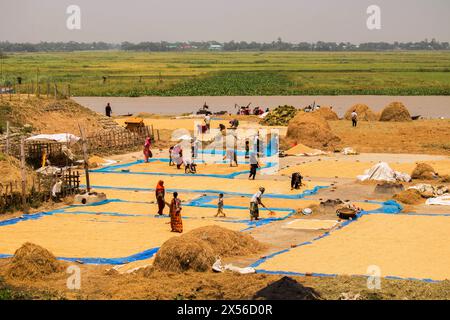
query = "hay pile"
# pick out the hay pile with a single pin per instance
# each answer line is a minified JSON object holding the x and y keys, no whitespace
{"x":312,"y":130}
{"x":423,"y":171}
{"x":96,"y":161}
{"x":31,"y":261}
{"x":409,"y":196}
{"x":327,"y":113}
{"x":280,"y":116}
{"x":10,"y":170}
{"x":363,"y":111}
{"x":397,"y":112}
{"x":198,"y":250}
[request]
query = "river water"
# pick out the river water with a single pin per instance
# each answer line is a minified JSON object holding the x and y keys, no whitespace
{"x":426,"y":106}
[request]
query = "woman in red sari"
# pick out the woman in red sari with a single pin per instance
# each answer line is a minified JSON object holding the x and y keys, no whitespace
{"x":176,"y":222}
{"x":160,"y":197}
{"x":147,"y":151}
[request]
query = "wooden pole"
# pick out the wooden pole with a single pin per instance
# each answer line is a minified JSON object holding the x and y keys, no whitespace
{"x":68,"y":91}
{"x":7,"y":138}
{"x":56,"y":91}
{"x":24,"y":176}
{"x":86,"y":158}
{"x":38,"y":87}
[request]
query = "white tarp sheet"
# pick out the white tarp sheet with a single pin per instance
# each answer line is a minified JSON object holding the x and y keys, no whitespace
{"x":59,"y":137}
{"x":382,"y":172}
{"x":442,"y":200}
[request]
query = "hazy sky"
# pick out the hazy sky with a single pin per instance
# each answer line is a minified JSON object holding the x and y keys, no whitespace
{"x":224,"y":20}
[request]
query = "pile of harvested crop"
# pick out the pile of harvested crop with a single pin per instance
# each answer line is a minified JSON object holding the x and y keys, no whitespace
{"x":31,"y":261}
{"x":363,"y":111}
{"x":10,"y":170}
{"x":327,"y":113}
{"x":312,"y":130}
{"x":409,"y":196}
{"x":423,"y":171}
{"x":198,"y":250}
{"x":280,"y":116}
{"x":395,"y":111}
{"x":96,"y":161}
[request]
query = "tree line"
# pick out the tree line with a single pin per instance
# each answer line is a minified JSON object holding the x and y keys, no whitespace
{"x":278,"y":45}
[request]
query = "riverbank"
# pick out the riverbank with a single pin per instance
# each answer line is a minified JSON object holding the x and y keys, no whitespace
{"x":425,"y":106}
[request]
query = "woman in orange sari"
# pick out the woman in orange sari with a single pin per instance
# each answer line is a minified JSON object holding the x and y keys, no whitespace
{"x":176,"y":222}
{"x":160,"y":197}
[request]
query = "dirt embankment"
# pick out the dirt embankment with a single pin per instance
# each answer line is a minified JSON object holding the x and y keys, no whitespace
{"x":416,"y":137}
{"x":50,"y":116}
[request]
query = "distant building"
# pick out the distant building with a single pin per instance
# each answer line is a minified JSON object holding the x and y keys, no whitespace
{"x":215,"y":47}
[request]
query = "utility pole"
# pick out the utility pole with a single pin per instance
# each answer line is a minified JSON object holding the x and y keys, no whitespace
{"x":38,"y":88}
{"x":7,"y":138}
{"x":86,"y":158}
{"x":24,"y":176}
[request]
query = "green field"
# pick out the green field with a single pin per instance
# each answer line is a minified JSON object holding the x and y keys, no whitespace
{"x":234,"y":73}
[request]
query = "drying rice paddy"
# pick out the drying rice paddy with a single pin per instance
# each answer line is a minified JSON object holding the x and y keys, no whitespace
{"x":401,"y":246}
{"x":126,"y":230}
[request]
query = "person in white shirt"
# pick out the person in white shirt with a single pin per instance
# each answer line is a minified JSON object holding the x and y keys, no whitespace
{"x":354,"y":118}
{"x":254,"y":204}
{"x":208,"y":122}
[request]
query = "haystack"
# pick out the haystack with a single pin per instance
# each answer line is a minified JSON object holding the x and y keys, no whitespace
{"x":363,"y":111}
{"x":312,"y":130}
{"x":96,"y":161}
{"x":423,"y":171}
{"x":409,"y":196}
{"x":395,"y":111}
{"x":10,"y":170}
{"x":31,"y":261}
{"x":198,"y":250}
{"x":299,"y":149}
{"x":327,"y":113}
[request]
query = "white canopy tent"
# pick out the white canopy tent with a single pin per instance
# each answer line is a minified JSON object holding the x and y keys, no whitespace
{"x":60,"y":137}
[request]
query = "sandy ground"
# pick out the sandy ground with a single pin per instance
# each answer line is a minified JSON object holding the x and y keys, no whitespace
{"x":427,"y":106}
{"x":311,"y":224}
{"x":345,"y":168}
{"x":414,"y":251}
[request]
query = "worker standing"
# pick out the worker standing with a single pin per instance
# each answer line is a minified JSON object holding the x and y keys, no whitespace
{"x":354,"y":118}
{"x":254,"y":165}
{"x":208,"y":122}
{"x":108,"y":110}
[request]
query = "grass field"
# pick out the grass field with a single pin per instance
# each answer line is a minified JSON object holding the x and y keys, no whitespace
{"x":234,"y":73}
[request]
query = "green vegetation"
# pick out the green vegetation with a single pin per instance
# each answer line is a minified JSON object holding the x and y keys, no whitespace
{"x":233,"y":73}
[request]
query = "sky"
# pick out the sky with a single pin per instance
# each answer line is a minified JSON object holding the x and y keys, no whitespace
{"x":224,"y":20}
